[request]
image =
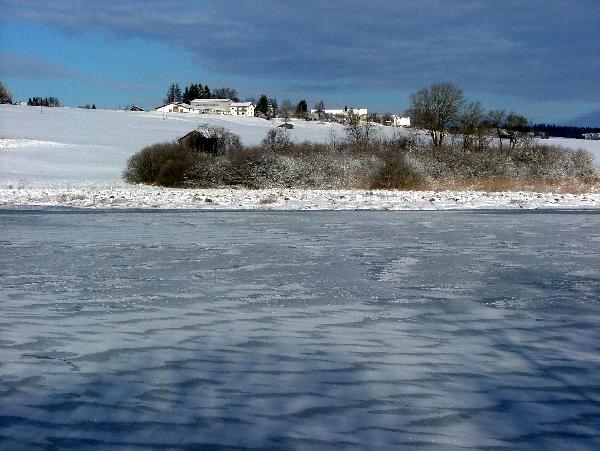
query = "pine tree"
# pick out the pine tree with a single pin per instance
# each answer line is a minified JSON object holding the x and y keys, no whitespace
{"x":263,"y":105}
{"x":302,"y":108}
{"x":177,"y":94}
{"x":170,"y":98}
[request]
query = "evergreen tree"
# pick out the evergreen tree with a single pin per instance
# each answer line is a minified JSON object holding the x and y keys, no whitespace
{"x":174,"y":94}
{"x":302,"y":108}
{"x":170,"y":98}
{"x":178,"y":97}
{"x":263,"y":105}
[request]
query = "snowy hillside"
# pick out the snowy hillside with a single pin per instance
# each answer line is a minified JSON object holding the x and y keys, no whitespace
{"x":75,"y":157}
{"x":64,"y":146}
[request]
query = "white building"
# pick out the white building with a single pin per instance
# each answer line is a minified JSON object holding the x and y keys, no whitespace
{"x":212,"y":106}
{"x":360,"y":111}
{"x":593,"y":136}
{"x":398,"y":121}
{"x":176,"y":108}
{"x":242,"y":109}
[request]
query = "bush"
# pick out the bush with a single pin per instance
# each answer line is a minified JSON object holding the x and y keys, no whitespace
{"x":393,"y":164}
{"x":397,"y":173}
{"x":276,"y":140}
{"x":163,"y":164}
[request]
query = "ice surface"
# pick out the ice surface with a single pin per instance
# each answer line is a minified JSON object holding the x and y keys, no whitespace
{"x":361,"y":330}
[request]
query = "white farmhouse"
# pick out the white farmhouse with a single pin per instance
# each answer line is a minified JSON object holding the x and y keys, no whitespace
{"x":212,"y":106}
{"x":176,"y":108}
{"x":242,"y":108}
{"x":398,"y":121}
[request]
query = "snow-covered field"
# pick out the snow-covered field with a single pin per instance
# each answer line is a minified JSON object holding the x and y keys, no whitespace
{"x":74,"y":157}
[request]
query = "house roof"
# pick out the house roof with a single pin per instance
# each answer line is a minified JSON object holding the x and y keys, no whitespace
{"x":210,"y":100}
{"x":246,"y":104}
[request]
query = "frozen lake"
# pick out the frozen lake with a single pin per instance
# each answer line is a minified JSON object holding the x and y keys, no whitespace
{"x":299,"y":330}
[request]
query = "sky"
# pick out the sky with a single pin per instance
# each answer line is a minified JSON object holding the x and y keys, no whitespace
{"x":540,"y":58}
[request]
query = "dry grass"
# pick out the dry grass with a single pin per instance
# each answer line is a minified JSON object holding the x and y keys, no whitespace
{"x":504,"y":184}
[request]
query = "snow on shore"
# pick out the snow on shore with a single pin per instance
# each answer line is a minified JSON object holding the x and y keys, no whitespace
{"x":74,"y":157}
{"x":139,"y":196}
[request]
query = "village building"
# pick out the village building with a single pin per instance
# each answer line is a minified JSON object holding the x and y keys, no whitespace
{"x":176,"y":108}
{"x":242,"y":109}
{"x":398,"y":121}
{"x":212,"y":106}
{"x":592,"y":136}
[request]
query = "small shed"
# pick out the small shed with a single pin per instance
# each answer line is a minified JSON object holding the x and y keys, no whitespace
{"x":286,"y":126}
{"x":197,"y":141}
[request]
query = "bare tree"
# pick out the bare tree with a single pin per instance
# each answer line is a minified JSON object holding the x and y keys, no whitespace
{"x":358,"y":131}
{"x":497,"y":120}
{"x":436,"y":108}
{"x":517,"y":127}
{"x":5,"y":95}
{"x":286,"y":110}
{"x":225,"y":93}
{"x":320,"y":108}
{"x":470,"y":124}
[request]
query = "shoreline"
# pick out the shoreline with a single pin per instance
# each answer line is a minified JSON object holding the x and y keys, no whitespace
{"x":153,"y":197}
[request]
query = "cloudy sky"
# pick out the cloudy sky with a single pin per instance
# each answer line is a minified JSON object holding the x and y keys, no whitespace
{"x":538,"y":57}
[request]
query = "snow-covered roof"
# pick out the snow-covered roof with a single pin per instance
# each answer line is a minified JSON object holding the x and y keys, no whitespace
{"x":246,"y":104}
{"x":210,"y":100}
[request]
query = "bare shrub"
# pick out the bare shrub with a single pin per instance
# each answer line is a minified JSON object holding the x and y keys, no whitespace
{"x":276,"y":140}
{"x":397,"y":163}
{"x":163,"y":163}
{"x":397,"y":173}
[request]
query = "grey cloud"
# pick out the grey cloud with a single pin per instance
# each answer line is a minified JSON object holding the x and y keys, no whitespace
{"x":21,"y":66}
{"x":542,"y":49}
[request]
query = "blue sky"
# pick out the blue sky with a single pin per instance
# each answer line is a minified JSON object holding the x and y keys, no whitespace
{"x":539,"y":57}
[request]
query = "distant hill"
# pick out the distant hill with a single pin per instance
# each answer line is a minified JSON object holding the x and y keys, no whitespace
{"x":585,"y":120}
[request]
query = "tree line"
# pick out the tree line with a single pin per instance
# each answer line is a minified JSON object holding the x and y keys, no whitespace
{"x":197,"y":91}
{"x":43,"y":101}
{"x":563,"y":131}
{"x":442,"y":109}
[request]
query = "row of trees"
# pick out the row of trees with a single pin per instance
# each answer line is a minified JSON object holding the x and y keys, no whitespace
{"x":198,"y":91}
{"x":442,"y":109}
{"x":6,"y":97}
{"x":269,"y":108}
{"x":43,"y":101}
{"x":563,"y":131}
